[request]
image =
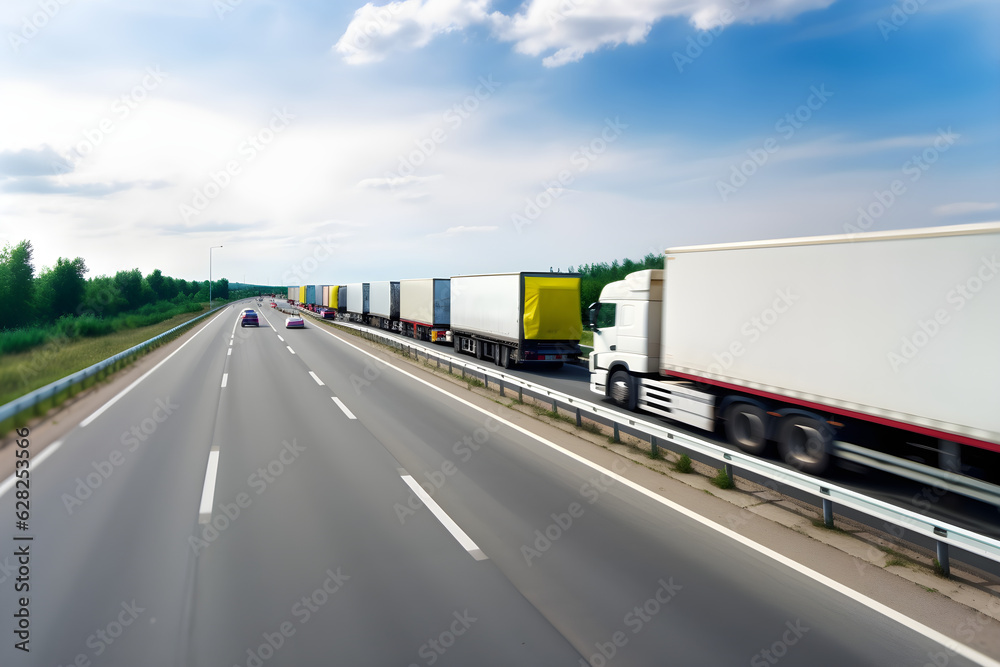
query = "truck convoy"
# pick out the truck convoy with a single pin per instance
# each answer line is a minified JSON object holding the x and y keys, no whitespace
{"x":425,"y":308}
{"x":887,"y":340}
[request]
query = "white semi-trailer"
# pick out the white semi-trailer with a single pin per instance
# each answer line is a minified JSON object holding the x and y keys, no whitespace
{"x":383,"y":304}
{"x":425,"y":308}
{"x":358,"y":296}
{"x":510,"y":318}
{"x":888,"y":340}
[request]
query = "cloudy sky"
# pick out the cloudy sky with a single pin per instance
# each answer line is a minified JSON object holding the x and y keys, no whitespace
{"x":329,"y":142}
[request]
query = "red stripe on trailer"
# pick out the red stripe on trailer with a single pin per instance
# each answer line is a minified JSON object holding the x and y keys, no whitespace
{"x":885,"y":421}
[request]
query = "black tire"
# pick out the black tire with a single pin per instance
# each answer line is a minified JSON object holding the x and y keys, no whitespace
{"x":510,"y":358}
{"x":457,"y":343}
{"x":805,"y":443}
{"x":499,"y":351}
{"x":621,"y":389}
{"x":746,"y":427}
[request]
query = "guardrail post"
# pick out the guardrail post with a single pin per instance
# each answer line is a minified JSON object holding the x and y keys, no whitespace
{"x":617,"y":435}
{"x":449,"y":365}
{"x":729,"y":472}
{"x":828,"y":512}
{"x":502,"y":393}
{"x":654,"y":449}
{"x":555,"y":407}
{"x":579,"y":418}
{"x":944,"y":566}
{"x":520,"y":394}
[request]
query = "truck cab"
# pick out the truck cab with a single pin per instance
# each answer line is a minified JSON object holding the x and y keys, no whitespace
{"x":626,"y":326}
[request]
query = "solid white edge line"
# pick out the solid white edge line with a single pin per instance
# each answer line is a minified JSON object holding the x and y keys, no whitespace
{"x":97,"y":413}
{"x":316,"y":377}
{"x":950,"y":644}
{"x":208,"y":491}
{"x":290,"y":349}
{"x":225,"y":378}
{"x":445,"y":520}
{"x":35,"y":461}
{"x":340,"y":404}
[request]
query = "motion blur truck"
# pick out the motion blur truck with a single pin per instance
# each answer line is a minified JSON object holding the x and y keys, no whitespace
{"x":425,"y":308}
{"x":510,"y":318}
{"x":888,"y":341}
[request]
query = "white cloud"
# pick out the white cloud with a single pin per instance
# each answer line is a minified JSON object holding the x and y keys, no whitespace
{"x":565,"y":29}
{"x":375,"y":31}
{"x":963,"y":207}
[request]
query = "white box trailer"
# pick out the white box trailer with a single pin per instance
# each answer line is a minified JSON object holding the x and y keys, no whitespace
{"x":511,"y":318}
{"x":425,"y":308}
{"x":358,"y":301}
{"x":895,"y":329}
{"x":383,"y":303}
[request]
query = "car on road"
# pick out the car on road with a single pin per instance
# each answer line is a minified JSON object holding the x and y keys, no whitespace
{"x":327,"y":313}
{"x":248,"y":318}
{"x":295,"y":322}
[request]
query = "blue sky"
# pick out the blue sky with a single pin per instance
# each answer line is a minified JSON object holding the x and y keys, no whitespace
{"x":141,"y":133}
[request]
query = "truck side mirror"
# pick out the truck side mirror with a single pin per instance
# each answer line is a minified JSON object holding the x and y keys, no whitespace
{"x":592,"y":316}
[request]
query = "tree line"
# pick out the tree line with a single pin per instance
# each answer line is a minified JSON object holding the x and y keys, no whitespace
{"x":593,"y":277}
{"x":60,"y":300}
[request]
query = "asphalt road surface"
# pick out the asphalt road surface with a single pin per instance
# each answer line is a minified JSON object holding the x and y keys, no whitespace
{"x":277,"y":497}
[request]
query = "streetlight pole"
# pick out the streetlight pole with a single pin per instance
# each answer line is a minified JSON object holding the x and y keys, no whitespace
{"x":210,"y":274}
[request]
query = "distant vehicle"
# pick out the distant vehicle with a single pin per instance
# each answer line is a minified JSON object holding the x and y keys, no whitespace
{"x":248,"y":318}
{"x":295,"y":322}
{"x":328,"y":313}
{"x":274,"y":305}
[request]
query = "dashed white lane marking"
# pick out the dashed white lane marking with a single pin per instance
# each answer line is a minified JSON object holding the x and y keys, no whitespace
{"x":225,"y":378}
{"x":9,"y":483}
{"x":280,"y":338}
{"x":316,"y":377}
{"x":290,"y":349}
{"x":229,"y":351}
{"x":97,"y":413}
{"x":208,"y":491}
{"x":446,"y":520}
{"x":340,"y":404}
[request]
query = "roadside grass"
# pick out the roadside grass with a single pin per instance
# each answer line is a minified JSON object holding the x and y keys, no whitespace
{"x":26,"y":371}
{"x":722,"y":480}
{"x":683,"y":464}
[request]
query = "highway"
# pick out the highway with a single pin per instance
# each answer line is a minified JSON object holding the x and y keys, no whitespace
{"x":281,"y":497}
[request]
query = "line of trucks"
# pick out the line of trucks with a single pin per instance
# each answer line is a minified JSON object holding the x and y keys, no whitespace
{"x":508,"y":318}
{"x":888,"y":340}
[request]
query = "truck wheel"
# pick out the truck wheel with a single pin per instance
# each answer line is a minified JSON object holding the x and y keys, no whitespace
{"x":509,"y":358}
{"x":805,"y":442}
{"x":621,"y":389}
{"x":746,"y":427}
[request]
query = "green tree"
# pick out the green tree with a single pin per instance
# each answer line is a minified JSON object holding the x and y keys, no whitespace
{"x":130,"y":286}
{"x":66,"y":286}
{"x":18,"y":285}
{"x":156,"y":283}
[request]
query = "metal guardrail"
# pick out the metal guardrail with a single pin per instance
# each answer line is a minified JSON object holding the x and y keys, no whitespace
{"x":943,"y":533}
{"x":33,"y":398}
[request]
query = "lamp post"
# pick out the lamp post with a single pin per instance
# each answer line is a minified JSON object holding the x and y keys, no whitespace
{"x":210,"y":274}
